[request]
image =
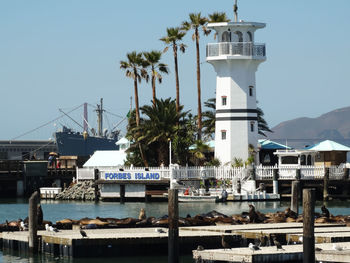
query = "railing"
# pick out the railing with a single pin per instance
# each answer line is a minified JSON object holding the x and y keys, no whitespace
{"x":224,"y":173}
{"x":85,"y":174}
{"x":236,"y":48}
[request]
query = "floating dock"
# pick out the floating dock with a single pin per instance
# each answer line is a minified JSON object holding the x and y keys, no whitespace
{"x":291,"y":253}
{"x":154,"y":241}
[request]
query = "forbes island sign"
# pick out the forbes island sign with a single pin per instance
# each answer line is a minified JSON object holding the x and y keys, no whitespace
{"x":138,"y":175}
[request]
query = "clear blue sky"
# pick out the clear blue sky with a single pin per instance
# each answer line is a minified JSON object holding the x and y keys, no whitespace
{"x":59,"y":54}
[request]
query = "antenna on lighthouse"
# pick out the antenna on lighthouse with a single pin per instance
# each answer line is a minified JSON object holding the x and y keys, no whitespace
{"x":235,"y":9}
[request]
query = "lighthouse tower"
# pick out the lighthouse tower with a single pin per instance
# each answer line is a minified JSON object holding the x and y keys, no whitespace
{"x":235,"y":58}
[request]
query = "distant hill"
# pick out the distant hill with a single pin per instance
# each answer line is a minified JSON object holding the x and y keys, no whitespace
{"x":334,"y":125}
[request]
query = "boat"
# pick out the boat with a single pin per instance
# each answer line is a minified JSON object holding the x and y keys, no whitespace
{"x":199,"y":198}
{"x":85,"y":143}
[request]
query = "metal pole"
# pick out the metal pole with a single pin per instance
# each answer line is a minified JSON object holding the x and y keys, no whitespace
{"x":169,"y":152}
{"x":173,"y":232}
{"x":308,"y":223}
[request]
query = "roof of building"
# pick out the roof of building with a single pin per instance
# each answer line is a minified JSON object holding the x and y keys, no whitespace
{"x":271,"y":145}
{"x":106,"y":159}
{"x":327,"y":146}
{"x":122,"y":141}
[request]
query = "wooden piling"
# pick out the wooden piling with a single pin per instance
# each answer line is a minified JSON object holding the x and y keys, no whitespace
{"x":308,"y":225}
{"x":33,"y":223}
{"x":122,"y":193}
{"x":173,"y":232}
{"x":295,"y":197}
{"x":346,"y":174}
{"x":326,"y":184}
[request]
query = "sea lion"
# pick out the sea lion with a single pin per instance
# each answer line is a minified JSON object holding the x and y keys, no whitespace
{"x":290,"y":213}
{"x":40,"y":215}
{"x":253,"y":216}
{"x":142,"y":214}
{"x":325,"y":211}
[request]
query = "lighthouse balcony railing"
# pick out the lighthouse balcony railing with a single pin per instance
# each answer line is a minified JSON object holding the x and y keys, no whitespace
{"x":247,"y":49}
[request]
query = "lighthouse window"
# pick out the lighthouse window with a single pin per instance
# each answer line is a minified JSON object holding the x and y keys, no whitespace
{"x":223,"y":135}
{"x":224,"y":101}
{"x":252,"y":126}
{"x":250,"y":37}
{"x":251,"y":90}
{"x":226,"y":37}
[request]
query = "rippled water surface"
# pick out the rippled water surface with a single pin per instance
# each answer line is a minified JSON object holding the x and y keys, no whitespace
{"x":13,"y":209}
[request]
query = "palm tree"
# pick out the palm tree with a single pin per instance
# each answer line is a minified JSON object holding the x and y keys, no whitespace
{"x":173,"y":38}
{"x":152,"y":60}
{"x":218,"y":17}
{"x":198,"y":151}
{"x":134,"y":68}
{"x":209,"y":117}
{"x":262,"y":124}
{"x":196,"y":22}
{"x":160,"y":126}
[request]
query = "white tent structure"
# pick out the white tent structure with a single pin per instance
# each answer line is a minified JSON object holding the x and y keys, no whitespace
{"x":109,"y":158}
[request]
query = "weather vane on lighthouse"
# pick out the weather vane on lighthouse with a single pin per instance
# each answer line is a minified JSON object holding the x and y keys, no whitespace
{"x":235,"y":9}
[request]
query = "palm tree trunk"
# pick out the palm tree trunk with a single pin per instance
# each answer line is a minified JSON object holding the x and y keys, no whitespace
{"x":138,"y":115}
{"x":136,"y":98}
{"x":176,"y":79}
{"x":199,"y":87}
{"x":153,"y":87}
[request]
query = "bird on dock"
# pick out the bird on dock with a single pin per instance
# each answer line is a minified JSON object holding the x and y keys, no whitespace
{"x":159,"y":230}
{"x":51,"y":228}
{"x":23,"y":226}
{"x":337,"y":247}
{"x":325,"y":211}
{"x":253,"y":247}
{"x":264,"y":240}
{"x":226,"y":242}
{"x":200,"y":248}
{"x":277,"y":243}
{"x":83,"y":233}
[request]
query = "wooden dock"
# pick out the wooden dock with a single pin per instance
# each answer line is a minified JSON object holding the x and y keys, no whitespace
{"x":291,"y":253}
{"x":154,"y":241}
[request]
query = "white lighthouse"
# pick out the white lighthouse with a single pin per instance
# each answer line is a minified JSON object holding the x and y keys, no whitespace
{"x":236,"y":58}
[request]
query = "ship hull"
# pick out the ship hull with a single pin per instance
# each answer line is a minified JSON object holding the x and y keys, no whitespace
{"x":74,"y":144}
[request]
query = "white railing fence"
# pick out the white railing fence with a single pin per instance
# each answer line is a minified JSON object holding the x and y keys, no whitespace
{"x":225,"y":173}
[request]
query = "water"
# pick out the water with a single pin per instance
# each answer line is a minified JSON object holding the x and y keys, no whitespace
{"x":13,"y":209}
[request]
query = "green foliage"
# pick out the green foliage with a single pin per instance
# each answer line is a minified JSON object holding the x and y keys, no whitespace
{"x":213,"y":162}
{"x":209,"y":118}
{"x":237,"y":162}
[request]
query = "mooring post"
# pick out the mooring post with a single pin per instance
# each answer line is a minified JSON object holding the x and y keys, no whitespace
{"x":326,"y":184}
{"x":346,"y":174}
{"x":96,"y":177}
{"x":173,"y":232}
{"x":122,"y":193}
{"x":295,"y":197}
{"x":308,"y":223}
{"x":33,"y":223}
{"x":275,"y":181}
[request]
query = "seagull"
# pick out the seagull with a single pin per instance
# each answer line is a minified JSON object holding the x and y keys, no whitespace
{"x":253,"y":247}
{"x":53,"y":229}
{"x":24,"y":227}
{"x":47,"y":227}
{"x":337,"y":247}
{"x":159,"y":230}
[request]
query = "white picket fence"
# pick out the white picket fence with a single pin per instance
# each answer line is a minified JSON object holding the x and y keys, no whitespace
{"x":226,"y":173}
